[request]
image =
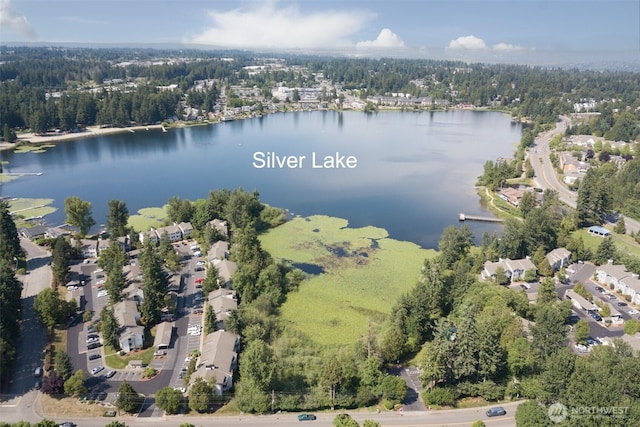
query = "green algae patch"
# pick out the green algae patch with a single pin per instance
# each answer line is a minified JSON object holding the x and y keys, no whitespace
{"x":354,"y":275}
{"x":147,"y":218}
{"x":23,"y":209}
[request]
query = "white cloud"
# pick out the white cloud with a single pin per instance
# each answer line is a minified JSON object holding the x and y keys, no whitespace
{"x":505,"y":47}
{"x":14,"y":21}
{"x":467,"y":43}
{"x":267,"y":25}
{"x":386,"y":39}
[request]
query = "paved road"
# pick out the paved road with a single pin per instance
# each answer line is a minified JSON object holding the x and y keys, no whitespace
{"x":456,"y":417}
{"x":32,"y":334}
{"x":545,"y":174}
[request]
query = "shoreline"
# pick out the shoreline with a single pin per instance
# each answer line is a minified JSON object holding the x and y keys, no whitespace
{"x":31,"y":138}
{"x":89,"y":132}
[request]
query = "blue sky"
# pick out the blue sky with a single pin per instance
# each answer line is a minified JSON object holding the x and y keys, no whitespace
{"x":412,"y":28}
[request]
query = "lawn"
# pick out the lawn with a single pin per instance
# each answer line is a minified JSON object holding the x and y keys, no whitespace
{"x":355,"y":274}
{"x":147,"y":218}
{"x":624,"y":243}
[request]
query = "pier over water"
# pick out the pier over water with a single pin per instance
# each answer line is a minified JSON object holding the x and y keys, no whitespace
{"x":464,"y":217}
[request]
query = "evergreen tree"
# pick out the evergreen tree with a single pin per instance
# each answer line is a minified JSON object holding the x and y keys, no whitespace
{"x":61,"y":259}
{"x":606,"y":251}
{"x":117,"y":218}
{"x":9,"y":241}
{"x":128,"y":399}
{"x":63,"y":365}
{"x":154,"y":285}
{"x":11,"y":309}
{"x":109,"y":327}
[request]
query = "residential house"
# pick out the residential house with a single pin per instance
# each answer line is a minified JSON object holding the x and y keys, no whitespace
{"x":219,"y":250}
{"x":130,"y":334}
{"x":174,"y":233}
{"x":511,"y":195}
{"x":558,"y":258}
{"x":218,"y":360}
{"x":33,"y":232}
{"x":223,"y":302}
{"x":186,"y":228}
{"x":226,"y":269}
{"x":624,"y":281}
{"x":220,"y":226}
{"x":103,"y":245}
{"x":514,"y":269}
{"x":88,"y":248}
{"x":150,"y":236}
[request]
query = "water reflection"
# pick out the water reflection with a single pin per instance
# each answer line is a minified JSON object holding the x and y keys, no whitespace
{"x":415,"y":171}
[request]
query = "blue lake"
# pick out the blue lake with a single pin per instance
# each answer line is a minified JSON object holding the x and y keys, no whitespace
{"x":415,"y":171}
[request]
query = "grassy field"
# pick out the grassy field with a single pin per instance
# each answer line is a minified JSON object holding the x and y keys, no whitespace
{"x":358,"y":274}
{"x":148,"y":217}
{"x":624,"y":243}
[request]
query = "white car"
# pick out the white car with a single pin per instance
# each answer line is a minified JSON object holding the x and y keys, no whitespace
{"x":72,"y":288}
{"x":633,"y":311}
{"x":98,"y":271}
{"x":97,"y":369}
{"x":103,"y":293}
{"x":200,"y":263}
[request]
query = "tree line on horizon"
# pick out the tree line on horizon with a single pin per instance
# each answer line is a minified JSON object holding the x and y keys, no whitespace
{"x":536,"y":93}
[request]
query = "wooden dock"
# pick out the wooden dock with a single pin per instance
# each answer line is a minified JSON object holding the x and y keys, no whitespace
{"x":465,"y":217}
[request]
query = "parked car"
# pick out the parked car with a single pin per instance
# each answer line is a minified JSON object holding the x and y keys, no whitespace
{"x":599,"y":289}
{"x":93,"y":345}
{"x":596,"y":317}
{"x":95,"y":356}
{"x":110,"y":413}
{"x":306,"y":417}
{"x":496,"y":411}
{"x":37,"y":372}
{"x":67,"y":423}
{"x":622,"y":304}
{"x":97,"y":369}
{"x":110,"y":374}
{"x":38,"y":385}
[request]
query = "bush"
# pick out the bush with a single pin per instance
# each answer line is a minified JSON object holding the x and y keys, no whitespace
{"x":490,"y":390}
{"x":440,"y":396}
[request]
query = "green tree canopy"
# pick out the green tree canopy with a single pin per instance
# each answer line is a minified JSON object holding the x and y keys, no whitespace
{"x":128,"y":399}
{"x":78,"y":214}
{"x":51,"y":309}
{"x":117,"y":218}
{"x":169,"y":399}
{"x":9,"y":240}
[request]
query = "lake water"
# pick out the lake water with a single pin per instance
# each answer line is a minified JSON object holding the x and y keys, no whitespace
{"x":415,"y":171}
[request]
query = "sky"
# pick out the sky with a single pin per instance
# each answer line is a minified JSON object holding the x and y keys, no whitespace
{"x":490,"y":30}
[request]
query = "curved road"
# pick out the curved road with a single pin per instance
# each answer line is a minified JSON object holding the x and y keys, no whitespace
{"x":545,"y":174}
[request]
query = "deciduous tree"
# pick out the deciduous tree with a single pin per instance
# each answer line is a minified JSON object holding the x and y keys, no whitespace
{"x":169,"y":399}
{"x":78,"y":214}
{"x":74,"y":386}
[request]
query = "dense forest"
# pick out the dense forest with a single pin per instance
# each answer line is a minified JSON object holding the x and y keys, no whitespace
{"x":10,"y":291}
{"x":122,"y":87}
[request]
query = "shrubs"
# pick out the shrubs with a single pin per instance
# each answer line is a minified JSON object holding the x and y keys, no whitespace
{"x":447,"y":396}
{"x":440,"y":396}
